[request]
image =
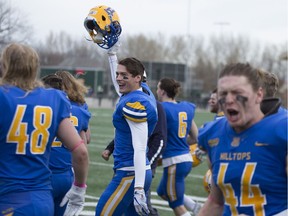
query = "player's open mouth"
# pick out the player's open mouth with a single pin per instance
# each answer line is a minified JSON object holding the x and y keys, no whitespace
{"x":121,"y":86}
{"x":233,"y":115}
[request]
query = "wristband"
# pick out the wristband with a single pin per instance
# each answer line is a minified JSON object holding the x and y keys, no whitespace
{"x":77,"y":145}
{"x":80,"y":185}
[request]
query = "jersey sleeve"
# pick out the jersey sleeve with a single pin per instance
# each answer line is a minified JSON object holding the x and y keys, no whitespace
{"x":203,"y":134}
{"x":64,"y":105}
{"x":139,"y":133}
{"x":135,"y":112}
{"x":113,"y":62}
{"x":157,"y":141}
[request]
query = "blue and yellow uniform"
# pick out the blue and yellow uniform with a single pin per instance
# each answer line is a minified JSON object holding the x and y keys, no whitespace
{"x":28,"y":125}
{"x":219,"y":115}
{"x":136,"y":106}
{"x":249,"y":167}
{"x":60,"y":158}
{"x":177,"y":160}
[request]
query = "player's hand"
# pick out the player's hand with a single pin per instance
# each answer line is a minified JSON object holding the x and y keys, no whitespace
{"x":76,"y":199}
{"x":106,"y":154}
{"x":114,"y":49}
{"x":159,"y":161}
{"x":140,"y":202}
{"x":199,"y":154}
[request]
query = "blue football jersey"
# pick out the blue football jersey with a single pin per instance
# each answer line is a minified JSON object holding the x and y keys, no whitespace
{"x":60,"y":158}
{"x":136,"y":106}
{"x":28,"y":125}
{"x":179,"y":118}
{"x":147,"y":88}
{"x":249,"y":167}
{"x":282,"y":111}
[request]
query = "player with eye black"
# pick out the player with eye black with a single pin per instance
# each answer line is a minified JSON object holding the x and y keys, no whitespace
{"x":134,"y":119}
{"x":247,"y":150}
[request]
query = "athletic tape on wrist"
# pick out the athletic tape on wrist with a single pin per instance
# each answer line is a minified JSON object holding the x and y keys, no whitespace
{"x":80,"y":185}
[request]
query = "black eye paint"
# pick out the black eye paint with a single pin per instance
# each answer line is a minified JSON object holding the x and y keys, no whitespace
{"x":242,"y":99}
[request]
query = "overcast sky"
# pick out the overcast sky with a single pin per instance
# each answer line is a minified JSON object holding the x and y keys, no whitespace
{"x":261,"y":20}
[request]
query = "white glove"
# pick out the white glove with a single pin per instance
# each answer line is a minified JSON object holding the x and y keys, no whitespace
{"x":76,"y":199}
{"x":140,"y":203}
{"x":199,"y":154}
{"x":114,"y":49}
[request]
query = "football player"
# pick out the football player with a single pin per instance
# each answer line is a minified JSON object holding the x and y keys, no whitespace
{"x":31,"y":117}
{"x":60,"y":158}
{"x":157,"y":140}
{"x":156,"y":145}
{"x":176,"y":157}
{"x":271,"y":104}
{"x":214,"y":105}
{"x":244,"y":148}
{"x":134,"y":120}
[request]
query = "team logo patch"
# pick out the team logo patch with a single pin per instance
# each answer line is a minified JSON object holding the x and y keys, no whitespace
{"x":8,"y":212}
{"x":213,"y":142}
{"x":235,"y":142}
{"x":136,"y":105}
{"x":261,"y":144}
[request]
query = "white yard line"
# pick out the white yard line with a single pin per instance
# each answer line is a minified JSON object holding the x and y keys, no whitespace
{"x":157,"y":203}
{"x":158,"y":169}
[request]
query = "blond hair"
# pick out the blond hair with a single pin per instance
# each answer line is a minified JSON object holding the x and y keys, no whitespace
{"x":253,"y":75}
{"x":74,"y":89}
{"x":20,"y":64}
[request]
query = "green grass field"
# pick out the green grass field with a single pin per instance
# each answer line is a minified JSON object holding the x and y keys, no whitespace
{"x":100,"y":171}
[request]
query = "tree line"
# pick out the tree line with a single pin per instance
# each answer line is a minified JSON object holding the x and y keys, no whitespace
{"x":205,"y":57}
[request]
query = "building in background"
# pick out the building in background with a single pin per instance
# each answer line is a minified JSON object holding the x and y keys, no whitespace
{"x":92,"y":78}
{"x":96,"y":78}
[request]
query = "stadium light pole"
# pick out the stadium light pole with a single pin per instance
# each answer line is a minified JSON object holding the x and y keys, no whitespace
{"x":188,"y":17}
{"x":187,"y":74}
